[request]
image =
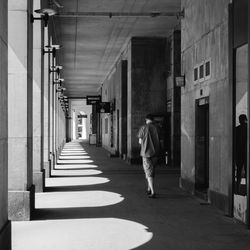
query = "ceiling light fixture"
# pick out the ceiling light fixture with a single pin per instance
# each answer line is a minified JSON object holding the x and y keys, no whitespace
{"x":56,"y":69}
{"x":60,"y":90}
{"x":52,"y":49}
{"x":45,"y":14}
{"x":58,"y":81}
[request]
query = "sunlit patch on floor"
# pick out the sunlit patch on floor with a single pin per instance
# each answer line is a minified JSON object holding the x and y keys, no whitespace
{"x":74,"y":161}
{"x":73,"y":152}
{"x":77,"y":199}
{"x":75,"y":172}
{"x":79,"y":234}
{"x":73,"y":157}
{"x":70,"y":153}
{"x":73,"y":149}
{"x":75,"y":166}
{"x":74,"y":181}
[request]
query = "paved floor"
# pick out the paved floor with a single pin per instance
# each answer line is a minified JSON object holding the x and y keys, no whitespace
{"x":96,"y":202}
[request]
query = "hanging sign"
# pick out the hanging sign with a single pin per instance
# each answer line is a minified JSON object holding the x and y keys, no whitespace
{"x":103,"y":107}
{"x":82,"y":116}
{"x":93,"y":99}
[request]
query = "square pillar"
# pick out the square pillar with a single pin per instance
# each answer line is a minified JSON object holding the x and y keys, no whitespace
{"x":176,"y":99}
{"x":52,"y":113}
{"x":20,"y":104}
{"x":5,"y":226}
{"x":46,"y":106}
{"x":146,"y":86}
{"x":38,"y":173}
{"x":124,"y":109}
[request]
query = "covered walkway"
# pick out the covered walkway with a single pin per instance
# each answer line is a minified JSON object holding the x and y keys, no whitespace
{"x":94,"y":202}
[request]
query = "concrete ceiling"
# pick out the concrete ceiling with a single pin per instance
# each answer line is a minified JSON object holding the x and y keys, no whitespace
{"x":92,"y":44}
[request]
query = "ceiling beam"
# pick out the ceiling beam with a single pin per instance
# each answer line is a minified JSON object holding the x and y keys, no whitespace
{"x":121,"y":14}
{"x":79,"y":97}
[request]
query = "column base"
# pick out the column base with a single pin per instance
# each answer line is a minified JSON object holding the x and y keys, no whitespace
{"x":39,"y":181}
{"x":5,"y":236}
{"x":21,"y":204}
{"x":187,"y":185}
{"x":53,"y":162}
{"x":46,"y":166}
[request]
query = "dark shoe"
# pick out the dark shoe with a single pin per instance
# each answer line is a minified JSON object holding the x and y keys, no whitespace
{"x":152,"y":196}
{"x":148,"y":192}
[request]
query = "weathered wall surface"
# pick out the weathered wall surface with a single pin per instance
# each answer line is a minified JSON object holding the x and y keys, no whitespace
{"x":111,"y":92}
{"x":173,"y":99}
{"x":20,"y":115}
{"x":205,"y":37}
{"x":146,"y":86}
{"x":146,"y":93}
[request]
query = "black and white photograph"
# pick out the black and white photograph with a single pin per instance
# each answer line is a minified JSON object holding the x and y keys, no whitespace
{"x":124,"y":125}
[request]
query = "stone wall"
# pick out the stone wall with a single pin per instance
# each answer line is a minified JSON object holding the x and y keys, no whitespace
{"x":144,"y":89}
{"x":205,"y":37}
{"x":20,"y":113}
{"x":173,"y":99}
{"x":146,"y":86}
{"x":111,"y":92}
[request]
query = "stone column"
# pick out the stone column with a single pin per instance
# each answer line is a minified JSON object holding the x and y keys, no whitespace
{"x":20,"y":101}
{"x":74,"y":125}
{"x":46,"y":107}
{"x":61,"y":129}
{"x":70,"y":121}
{"x":68,"y":124}
{"x":124,"y":109}
{"x":57,"y":123}
{"x":5,"y":226}
{"x":176,"y":100}
{"x":38,"y":173}
{"x":53,"y":116}
{"x":50,"y":86}
{"x":146,"y":86}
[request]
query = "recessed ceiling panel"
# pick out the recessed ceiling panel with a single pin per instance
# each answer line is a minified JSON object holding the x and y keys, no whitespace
{"x":92,"y":43}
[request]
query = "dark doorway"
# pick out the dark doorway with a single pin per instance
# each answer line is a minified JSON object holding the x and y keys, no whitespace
{"x":202,"y":146}
{"x":118,"y":132}
{"x":124,"y":112}
{"x":240,"y":133}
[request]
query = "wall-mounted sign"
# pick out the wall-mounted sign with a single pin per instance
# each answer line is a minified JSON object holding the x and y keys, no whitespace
{"x":82,"y":116}
{"x":203,"y":101}
{"x":93,"y":99}
{"x":180,"y":81}
{"x":103,"y":107}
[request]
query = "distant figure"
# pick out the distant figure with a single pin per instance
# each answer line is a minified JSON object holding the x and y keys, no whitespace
{"x":150,"y":148}
{"x":241,"y":149}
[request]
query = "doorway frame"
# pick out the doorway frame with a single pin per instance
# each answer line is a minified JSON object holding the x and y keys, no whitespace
{"x":205,"y":101}
{"x":231,"y":77}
